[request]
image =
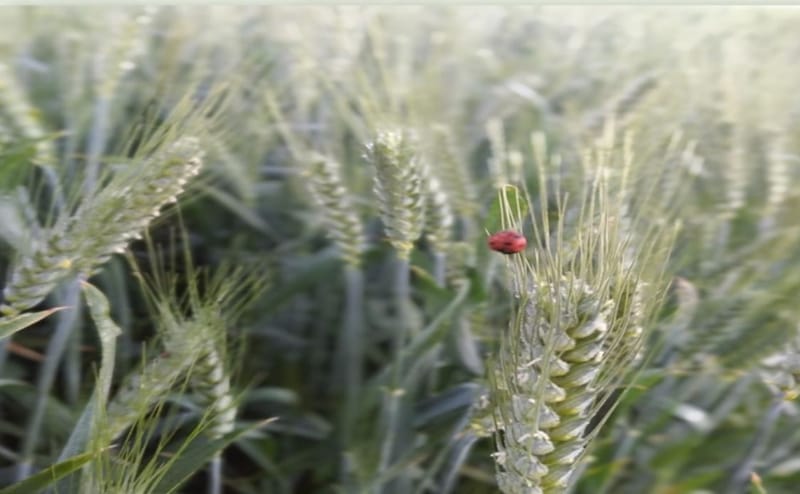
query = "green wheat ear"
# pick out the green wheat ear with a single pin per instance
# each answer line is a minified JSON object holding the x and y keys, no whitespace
{"x":571,"y":341}
{"x":399,"y":188}
{"x":623,"y":104}
{"x":336,"y":208}
{"x":439,"y":217}
{"x":22,"y":118}
{"x":102,"y":225}
{"x":193,"y":345}
{"x":453,"y":176}
{"x":144,"y":387}
{"x":211,"y":379}
{"x":577,"y":330}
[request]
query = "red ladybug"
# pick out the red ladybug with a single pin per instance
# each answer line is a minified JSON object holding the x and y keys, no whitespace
{"x":507,"y":242}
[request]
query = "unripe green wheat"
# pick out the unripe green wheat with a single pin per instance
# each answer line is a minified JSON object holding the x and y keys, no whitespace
{"x":633,"y":94}
{"x":553,"y":376}
{"x":120,"y":214}
{"x":141,"y":389}
{"x":102,"y":225}
{"x":577,"y":329}
{"x":439,"y":218}
{"x":453,"y":176}
{"x":210,"y":376}
{"x":184,"y":344}
{"x":399,"y":187}
{"x":118,"y":56}
{"x":190,"y":347}
{"x":778,"y":174}
{"x":782,"y":370}
{"x":736,"y":174}
{"x":623,"y":104}
{"x":21,"y":117}
{"x":462,"y":257}
{"x":336,"y":208}
{"x":35,"y":275}
{"x":212,"y":381}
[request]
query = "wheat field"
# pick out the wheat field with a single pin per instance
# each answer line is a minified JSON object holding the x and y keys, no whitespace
{"x":403,"y":250}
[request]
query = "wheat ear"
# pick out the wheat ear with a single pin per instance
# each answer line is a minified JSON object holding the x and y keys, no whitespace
{"x":336,"y":208}
{"x":576,"y":332}
{"x":451,"y":173}
{"x":399,"y":188}
{"x":22,"y":117}
{"x":184,"y":343}
{"x":211,"y":379}
{"x":565,"y":330}
{"x":102,"y":225}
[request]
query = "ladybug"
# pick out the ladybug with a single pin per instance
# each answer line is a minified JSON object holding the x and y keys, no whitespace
{"x":507,"y":242}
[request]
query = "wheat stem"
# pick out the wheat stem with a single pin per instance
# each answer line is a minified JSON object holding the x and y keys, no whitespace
{"x":215,"y":475}
{"x":744,"y":468}
{"x":351,"y":349}
{"x":55,"y":351}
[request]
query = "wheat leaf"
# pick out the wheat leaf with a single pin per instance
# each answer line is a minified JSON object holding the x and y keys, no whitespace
{"x":11,"y":325}
{"x":49,"y":475}
{"x":196,"y":455}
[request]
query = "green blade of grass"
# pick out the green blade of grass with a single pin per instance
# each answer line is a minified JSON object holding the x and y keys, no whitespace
{"x":515,"y":205}
{"x":87,"y":427}
{"x":108,"y":332}
{"x":11,"y":325}
{"x":50,"y":475}
{"x":196,"y":455}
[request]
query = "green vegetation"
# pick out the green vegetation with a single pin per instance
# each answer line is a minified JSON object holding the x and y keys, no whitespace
{"x":244,"y":250}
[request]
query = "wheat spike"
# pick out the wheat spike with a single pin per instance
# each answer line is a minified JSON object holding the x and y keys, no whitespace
{"x":439,"y":218}
{"x":399,"y":188}
{"x":22,"y":118}
{"x":553,"y":379}
{"x":335,"y":206}
{"x":102,"y":225}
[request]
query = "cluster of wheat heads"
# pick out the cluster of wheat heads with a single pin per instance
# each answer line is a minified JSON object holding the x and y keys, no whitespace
{"x":80,"y":219}
{"x":77,"y":244}
{"x":373,"y":380}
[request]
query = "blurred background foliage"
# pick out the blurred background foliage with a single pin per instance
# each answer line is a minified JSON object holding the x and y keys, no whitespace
{"x":707,"y":97}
